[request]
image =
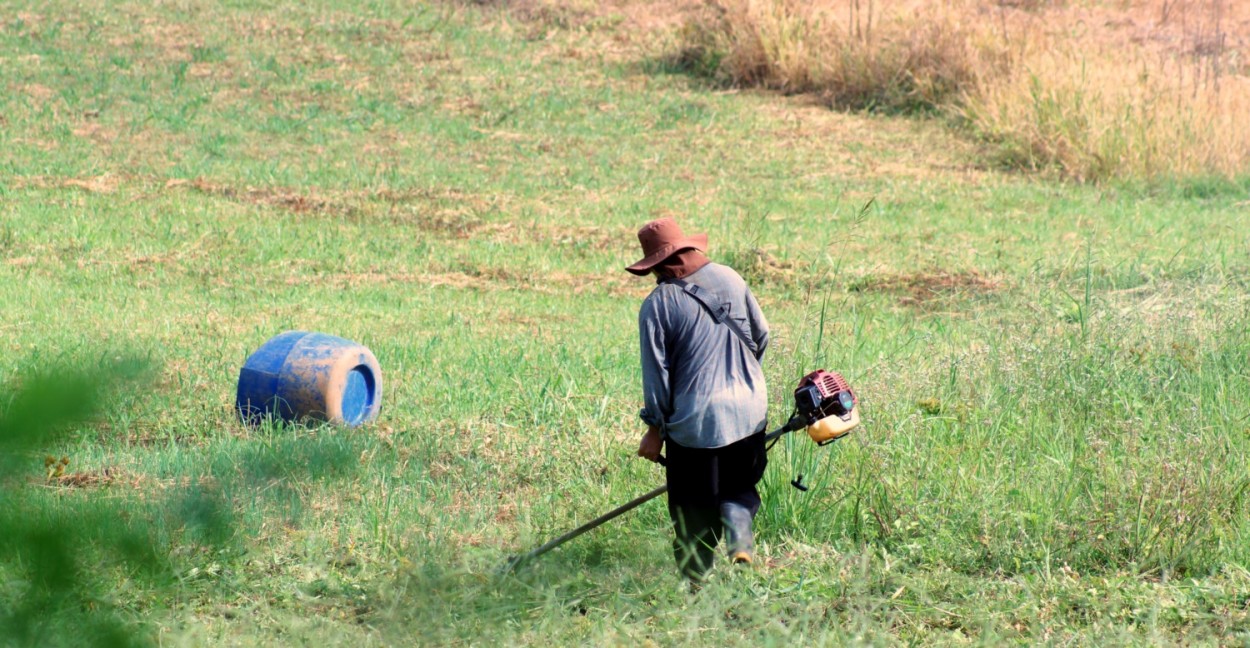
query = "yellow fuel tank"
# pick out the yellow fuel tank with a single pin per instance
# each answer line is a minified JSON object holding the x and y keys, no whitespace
{"x":833,"y":427}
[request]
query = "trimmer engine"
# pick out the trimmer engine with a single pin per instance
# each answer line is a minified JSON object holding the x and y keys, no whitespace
{"x":826,"y":405}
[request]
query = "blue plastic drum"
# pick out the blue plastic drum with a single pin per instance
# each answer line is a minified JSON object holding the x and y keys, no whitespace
{"x":298,"y":374}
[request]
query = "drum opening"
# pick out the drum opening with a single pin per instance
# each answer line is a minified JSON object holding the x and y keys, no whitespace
{"x":359,"y":395}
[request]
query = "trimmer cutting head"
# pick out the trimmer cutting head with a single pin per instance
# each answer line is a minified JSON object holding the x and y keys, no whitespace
{"x":826,"y":403}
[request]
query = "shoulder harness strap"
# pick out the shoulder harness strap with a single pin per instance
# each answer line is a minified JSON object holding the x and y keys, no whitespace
{"x":716,"y":307}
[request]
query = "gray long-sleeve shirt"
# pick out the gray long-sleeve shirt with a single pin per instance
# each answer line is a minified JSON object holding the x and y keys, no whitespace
{"x":701,"y":385}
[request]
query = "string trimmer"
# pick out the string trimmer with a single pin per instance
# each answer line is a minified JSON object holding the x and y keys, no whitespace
{"x":823,"y":403}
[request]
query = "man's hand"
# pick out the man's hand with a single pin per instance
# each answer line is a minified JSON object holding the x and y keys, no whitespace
{"x":651,"y":443}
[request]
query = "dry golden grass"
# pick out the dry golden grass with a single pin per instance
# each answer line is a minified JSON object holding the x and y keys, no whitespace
{"x":856,"y":57}
{"x":1131,"y":99}
{"x":1098,"y":90}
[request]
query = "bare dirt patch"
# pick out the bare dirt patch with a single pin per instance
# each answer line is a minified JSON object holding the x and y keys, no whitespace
{"x":175,"y":40}
{"x":107,"y":183}
{"x":38,"y":91}
{"x":21,"y":262}
{"x":485,"y":280}
{"x":589,"y":237}
{"x":95,"y":132}
{"x":104,"y":184}
{"x":929,"y":289}
{"x":446,"y":212}
{"x":84,"y":479}
{"x":288,"y":200}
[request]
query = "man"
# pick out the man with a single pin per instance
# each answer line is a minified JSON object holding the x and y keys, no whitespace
{"x":702,"y":336}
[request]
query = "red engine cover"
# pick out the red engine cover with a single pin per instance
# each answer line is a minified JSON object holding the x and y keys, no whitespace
{"x":828,"y":382}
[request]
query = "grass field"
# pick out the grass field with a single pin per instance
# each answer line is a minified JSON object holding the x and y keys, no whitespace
{"x":1053,"y":376}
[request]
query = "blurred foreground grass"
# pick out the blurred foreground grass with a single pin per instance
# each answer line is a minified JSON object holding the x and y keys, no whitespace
{"x":1053,"y":377}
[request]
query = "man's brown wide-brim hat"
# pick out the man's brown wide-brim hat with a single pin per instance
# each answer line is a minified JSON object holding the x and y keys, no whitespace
{"x":662,"y":238}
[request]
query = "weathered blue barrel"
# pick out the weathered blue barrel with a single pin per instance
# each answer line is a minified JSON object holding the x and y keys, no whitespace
{"x":298,"y":374}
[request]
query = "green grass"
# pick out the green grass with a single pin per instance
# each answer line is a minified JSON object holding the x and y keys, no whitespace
{"x":1053,"y":377}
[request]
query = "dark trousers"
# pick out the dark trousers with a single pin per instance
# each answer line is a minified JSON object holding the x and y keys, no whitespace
{"x":711,"y":493}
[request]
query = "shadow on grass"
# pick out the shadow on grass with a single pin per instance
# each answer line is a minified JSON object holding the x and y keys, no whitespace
{"x":699,"y":69}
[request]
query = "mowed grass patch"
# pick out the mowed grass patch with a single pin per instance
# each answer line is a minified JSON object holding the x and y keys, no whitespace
{"x":1049,"y":374}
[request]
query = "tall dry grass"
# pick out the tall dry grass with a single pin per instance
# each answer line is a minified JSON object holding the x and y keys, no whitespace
{"x":1144,"y":89}
{"x":1103,"y":108}
{"x":856,"y":56}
